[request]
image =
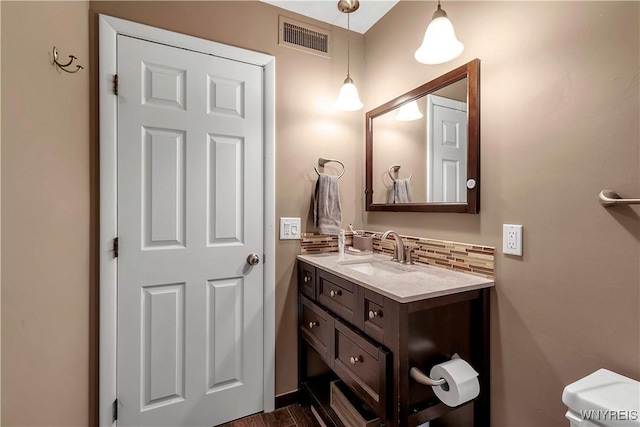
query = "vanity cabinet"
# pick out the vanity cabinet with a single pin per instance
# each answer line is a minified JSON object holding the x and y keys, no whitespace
{"x":371,"y":341}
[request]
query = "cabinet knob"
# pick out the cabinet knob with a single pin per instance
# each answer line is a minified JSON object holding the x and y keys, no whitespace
{"x":374,"y":314}
{"x":355,"y":360}
{"x":307,"y":279}
{"x":312,"y":324}
{"x":335,"y":293}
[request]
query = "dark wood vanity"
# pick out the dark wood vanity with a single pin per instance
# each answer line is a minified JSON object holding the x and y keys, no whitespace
{"x":371,"y":341}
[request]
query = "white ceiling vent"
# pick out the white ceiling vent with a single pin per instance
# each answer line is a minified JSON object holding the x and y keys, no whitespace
{"x":304,"y":37}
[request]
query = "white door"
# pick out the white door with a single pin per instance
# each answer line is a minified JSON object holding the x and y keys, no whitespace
{"x":447,"y":150}
{"x":190,"y":201}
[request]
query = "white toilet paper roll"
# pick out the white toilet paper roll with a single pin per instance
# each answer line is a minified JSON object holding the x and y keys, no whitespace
{"x":462,"y":382}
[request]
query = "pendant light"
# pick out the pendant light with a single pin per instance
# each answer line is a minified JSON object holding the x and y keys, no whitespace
{"x":440,"y":44}
{"x":409,"y":112}
{"x":348,"y":99}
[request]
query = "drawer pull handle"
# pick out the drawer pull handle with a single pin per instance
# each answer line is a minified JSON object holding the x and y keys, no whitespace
{"x":307,"y":279}
{"x":355,"y":360}
{"x":312,"y":324}
{"x":335,"y":293}
{"x":374,"y":314}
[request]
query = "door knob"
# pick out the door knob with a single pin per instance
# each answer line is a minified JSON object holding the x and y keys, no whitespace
{"x":253,"y":259}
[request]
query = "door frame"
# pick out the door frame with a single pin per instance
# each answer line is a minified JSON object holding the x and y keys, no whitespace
{"x":109,"y":29}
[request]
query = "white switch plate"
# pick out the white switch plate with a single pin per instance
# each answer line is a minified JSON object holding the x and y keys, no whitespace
{"x":512,"y":239}
{"x":289,"y":228}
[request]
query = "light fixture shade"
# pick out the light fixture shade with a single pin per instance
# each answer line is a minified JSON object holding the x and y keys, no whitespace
{"x":440,"y":44}
{"x":409,"y":112}
{"x":348,"y":99}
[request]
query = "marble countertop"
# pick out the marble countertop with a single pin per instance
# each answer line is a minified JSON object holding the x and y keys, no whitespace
{"x":400,"y":282}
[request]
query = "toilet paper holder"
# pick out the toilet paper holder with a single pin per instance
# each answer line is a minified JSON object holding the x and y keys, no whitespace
{"x":420,"y":377}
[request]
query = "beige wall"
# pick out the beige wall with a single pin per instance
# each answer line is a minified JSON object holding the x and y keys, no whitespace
{"x":559,"y":122}
{"x":45,"y":216}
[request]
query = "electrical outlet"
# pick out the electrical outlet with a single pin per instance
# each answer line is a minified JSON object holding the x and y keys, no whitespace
{"x":512,"y":239}
{"x":289,"y":228}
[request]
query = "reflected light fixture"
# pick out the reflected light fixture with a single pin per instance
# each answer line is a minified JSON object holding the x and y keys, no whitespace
{"x":348,"y":99}
{"x":440,"y":44}
{"x":409,"y":112}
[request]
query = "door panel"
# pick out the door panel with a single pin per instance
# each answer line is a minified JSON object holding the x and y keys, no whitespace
{"x":190,"y":319}
{"x":226,"y":184}
{"x":164,"y":191}
{"x":224,"y":337}
{"x":163,"y":344}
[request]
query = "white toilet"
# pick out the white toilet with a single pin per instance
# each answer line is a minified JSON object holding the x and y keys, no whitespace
{"x":603,"y":398}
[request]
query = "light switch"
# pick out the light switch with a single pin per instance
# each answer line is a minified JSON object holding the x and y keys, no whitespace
{"x":289,"y":228}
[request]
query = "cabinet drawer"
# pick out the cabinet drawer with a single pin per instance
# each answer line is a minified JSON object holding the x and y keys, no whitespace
{"x":362,"y":365}
{"x":307,"y":279}
{"x":373,"y":314}
{"x":337,"y":294}
{"x":317,"y":328}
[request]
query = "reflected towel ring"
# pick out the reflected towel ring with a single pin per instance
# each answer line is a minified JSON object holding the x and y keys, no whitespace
{"x":396,"y":168}
{"x":323,"y":161}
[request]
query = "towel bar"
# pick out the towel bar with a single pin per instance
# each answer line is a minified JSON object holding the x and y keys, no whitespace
{"x":611,"y":198}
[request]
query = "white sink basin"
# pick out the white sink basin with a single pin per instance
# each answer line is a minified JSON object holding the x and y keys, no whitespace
{"x":372,"y":268}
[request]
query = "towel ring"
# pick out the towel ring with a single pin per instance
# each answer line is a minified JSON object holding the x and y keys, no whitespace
{"x":396,"y":168}
{"x":323,"y":161}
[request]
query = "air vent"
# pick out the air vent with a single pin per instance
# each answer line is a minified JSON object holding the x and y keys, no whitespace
{"x":304,"y":37}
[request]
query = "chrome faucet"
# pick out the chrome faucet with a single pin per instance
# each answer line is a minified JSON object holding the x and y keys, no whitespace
{"x":399,"y":252}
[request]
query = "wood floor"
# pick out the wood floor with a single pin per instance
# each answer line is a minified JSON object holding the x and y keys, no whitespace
{"x":289,"y":416}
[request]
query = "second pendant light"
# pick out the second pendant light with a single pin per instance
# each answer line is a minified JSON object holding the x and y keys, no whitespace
{"x":348,"y":98}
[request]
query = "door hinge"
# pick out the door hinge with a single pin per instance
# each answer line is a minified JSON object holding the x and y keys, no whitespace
{"x":114,"y":411}
{"x":116,"y":247}
{"x":115,"y":84}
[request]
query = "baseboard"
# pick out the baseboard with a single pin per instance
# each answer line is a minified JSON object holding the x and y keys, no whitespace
{"x":287,"y":399}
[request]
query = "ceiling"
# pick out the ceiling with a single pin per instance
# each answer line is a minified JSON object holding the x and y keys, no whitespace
{"x":369,"y":13}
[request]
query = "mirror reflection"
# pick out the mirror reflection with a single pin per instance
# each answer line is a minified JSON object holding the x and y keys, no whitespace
{"x":423,"y":147}
{"x":420,"y":149}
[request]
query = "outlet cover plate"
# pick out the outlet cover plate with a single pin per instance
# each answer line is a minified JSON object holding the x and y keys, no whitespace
{"x":289,"y":228}
{"x":512,"y":239}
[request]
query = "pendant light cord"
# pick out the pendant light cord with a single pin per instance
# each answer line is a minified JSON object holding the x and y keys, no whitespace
{"x":348,"y":44}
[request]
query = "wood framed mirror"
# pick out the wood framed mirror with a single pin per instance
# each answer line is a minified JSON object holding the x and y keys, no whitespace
{"x":423,"y":147}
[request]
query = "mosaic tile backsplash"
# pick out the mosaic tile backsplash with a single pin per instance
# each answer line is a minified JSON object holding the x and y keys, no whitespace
{"x":463,"y":257}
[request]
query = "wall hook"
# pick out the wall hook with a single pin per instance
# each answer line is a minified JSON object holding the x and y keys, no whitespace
{"x":63,"y":67}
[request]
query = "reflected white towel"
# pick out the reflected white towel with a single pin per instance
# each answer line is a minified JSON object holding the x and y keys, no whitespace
{"x":327,"y":212}
{"x":401,"y":192}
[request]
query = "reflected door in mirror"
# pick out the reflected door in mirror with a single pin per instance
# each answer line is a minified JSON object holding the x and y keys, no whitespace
{"x":446,"y":150}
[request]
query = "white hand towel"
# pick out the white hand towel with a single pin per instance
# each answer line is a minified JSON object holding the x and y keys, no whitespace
{"x":407,"y":183}
{"x":401,"y":192}
{"x":327,"y":212}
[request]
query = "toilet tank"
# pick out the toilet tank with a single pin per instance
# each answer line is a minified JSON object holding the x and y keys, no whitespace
{"x":603,"y":398}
